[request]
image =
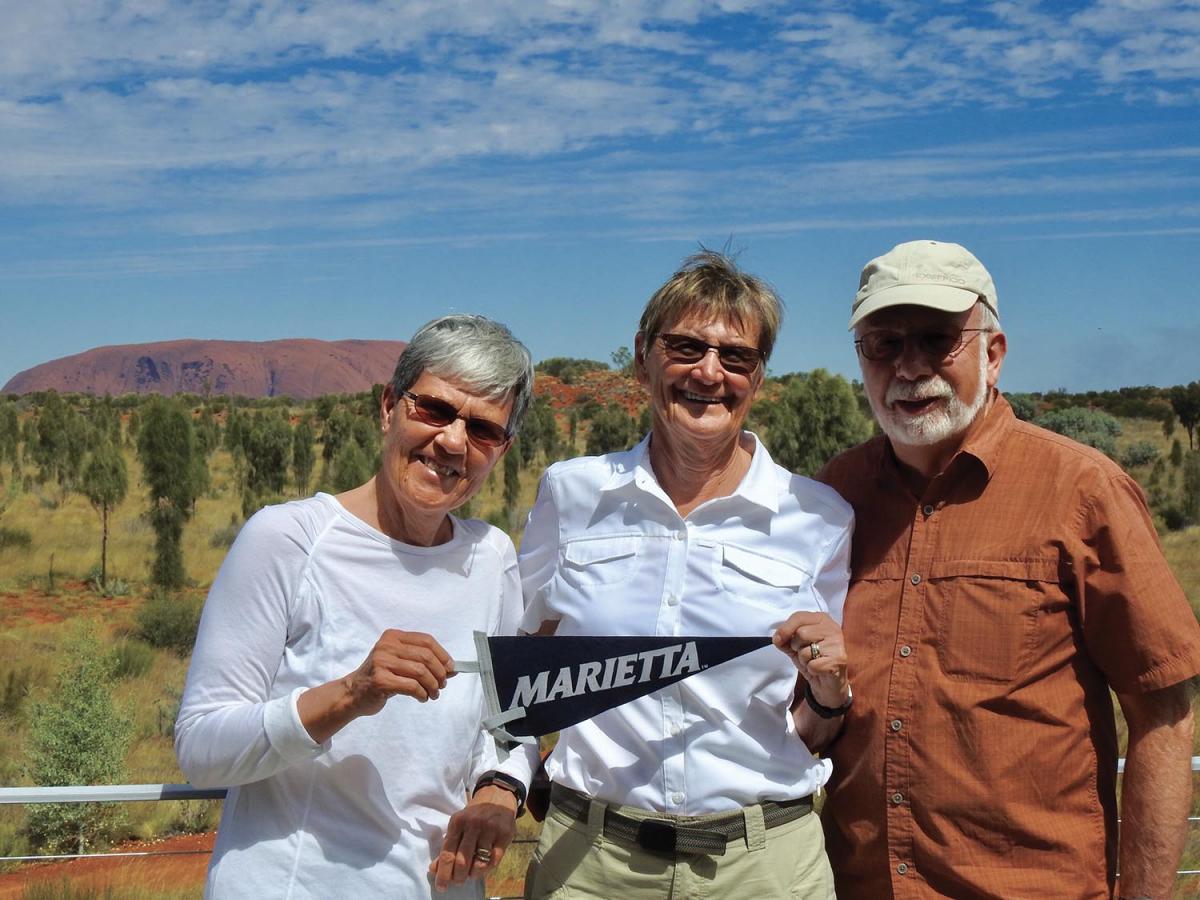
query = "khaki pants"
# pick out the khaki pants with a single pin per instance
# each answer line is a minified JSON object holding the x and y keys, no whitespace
{"x":574,"y":860}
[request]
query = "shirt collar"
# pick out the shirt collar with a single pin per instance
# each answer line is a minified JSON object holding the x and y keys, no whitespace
{"x":757,"y":486}
{"x":983,"y":443}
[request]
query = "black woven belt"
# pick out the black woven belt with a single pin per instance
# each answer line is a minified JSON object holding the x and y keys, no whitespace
{"x":670,"y":835}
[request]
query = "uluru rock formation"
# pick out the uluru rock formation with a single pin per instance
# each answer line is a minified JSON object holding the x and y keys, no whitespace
{"x":300,"y":368}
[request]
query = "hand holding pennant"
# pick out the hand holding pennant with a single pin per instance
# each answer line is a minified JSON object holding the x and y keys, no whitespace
{"x":535,"y":685}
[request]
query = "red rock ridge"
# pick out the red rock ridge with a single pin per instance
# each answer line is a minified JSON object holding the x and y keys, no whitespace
{"x":302,"y":368}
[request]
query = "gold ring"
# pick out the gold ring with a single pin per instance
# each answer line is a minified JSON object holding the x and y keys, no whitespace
{"x":814,"y":649}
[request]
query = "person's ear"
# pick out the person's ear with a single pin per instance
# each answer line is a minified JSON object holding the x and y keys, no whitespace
{"x":387,"y":406}
{"x":639,"y":359}
{"x":997,"y":347}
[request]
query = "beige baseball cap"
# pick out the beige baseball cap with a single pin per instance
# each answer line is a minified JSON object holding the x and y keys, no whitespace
{"x":923,"y":273}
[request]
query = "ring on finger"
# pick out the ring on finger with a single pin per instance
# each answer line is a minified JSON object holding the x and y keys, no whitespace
{"x":483,"y":854}
{"x":814,"y":649}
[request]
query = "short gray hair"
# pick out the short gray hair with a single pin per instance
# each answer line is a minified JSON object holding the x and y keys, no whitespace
{"x":988,"y":319}
{"x":478,"y":353}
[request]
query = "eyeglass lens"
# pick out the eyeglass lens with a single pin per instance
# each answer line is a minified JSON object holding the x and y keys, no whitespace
{"x":437,"y":412}
{"x":734,"y":357}
{"x":886,"y":346}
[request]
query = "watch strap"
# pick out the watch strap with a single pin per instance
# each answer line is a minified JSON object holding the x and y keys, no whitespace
{"x":506,"y":782}
{"x":827,"y":712}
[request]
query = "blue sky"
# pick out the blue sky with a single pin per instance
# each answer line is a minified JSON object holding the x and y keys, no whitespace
{"x":245,"y":170}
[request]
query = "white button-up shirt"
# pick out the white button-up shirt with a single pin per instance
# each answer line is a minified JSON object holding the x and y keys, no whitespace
{"x":605,"y":552}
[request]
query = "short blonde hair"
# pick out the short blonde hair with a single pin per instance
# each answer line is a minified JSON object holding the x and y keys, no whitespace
{"x":710,"y":284}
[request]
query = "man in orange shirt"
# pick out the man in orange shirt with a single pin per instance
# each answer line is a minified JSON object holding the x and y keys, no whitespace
{"x":1003,"y":579}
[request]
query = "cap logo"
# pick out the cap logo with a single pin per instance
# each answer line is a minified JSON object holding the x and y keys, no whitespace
{"x":939,"y":276}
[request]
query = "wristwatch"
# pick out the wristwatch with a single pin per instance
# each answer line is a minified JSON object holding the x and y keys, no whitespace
{"x":506,"y":782}
{"x":827,"y":712}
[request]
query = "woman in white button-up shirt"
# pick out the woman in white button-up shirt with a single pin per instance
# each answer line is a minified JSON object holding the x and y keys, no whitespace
{"x":695,"y":531}
{"x":331,"y":623}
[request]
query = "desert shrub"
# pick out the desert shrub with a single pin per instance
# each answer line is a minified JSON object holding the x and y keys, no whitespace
{"x":1087,"y":426}
{"x":1176,"y":453}
{"x":1173,"y":517}
{"x":1024,"y":407}
{"x":13,"y":841}
{"x":14,"y":691}
{"x":169,"y":621}
{"x":15,"y":537}
{"x":77,"y":736}
{"x":1142,"y":453}
{"x":132,"y":658}
{"x":224,"y":537}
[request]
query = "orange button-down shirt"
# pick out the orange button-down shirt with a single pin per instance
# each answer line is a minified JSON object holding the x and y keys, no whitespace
{"x":986,"y":622}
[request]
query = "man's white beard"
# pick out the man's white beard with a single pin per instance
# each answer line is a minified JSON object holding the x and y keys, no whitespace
{"x":945,"y":421}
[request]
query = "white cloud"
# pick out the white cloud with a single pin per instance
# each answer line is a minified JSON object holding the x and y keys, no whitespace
{"x":255,"y":116}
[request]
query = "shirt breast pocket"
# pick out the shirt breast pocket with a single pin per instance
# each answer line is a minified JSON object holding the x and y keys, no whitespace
{"x":600,"y":561}
{"x":764,"y":582}
{"x":987,"y":615}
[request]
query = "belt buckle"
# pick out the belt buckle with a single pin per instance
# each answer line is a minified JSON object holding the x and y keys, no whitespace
{"x":657,"y":836}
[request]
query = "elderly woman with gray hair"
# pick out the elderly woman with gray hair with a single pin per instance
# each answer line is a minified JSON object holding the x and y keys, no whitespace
{"x":321,"y":687}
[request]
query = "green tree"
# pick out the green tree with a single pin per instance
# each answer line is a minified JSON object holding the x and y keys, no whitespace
{"x":512,"y":481}
{"x":1191,"y":488}
{"x":303,"y":457}
{"x":167,"y":450}
{"x":543,"y":412}
{"x":351,"y":467}
{"x":267,"y":444}
{"x":208,"y":432}
{"x":1185,"y":400}
{"x":816,"y":416}
{"x":104,"y":483}
{"x":622,"y":361}
{"x":338,"y":426}
{"x":1176,"y":453}
{"x":77,"y":736}
{"x":10,"y":432}
{"x":612,"y":429}
{"x":63,"y":438}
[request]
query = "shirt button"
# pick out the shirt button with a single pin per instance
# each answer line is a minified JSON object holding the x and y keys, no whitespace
{"x":672,"y":599}
{"x":896,"y":724}
{"x":677,"y":798}
{"x":916,"y":579}
{"x":679,"y":535}
{"x":902,"y":868}
{"x":676,"y":729}
{"x":928,"y":510}
{"x":906,"y":651}
{"x":897,"y":798}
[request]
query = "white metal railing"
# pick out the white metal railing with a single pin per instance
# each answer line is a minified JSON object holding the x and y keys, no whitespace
{"x":117,"y":793}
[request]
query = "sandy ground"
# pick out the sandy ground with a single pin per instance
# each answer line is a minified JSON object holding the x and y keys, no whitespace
{"x":180,"y":871}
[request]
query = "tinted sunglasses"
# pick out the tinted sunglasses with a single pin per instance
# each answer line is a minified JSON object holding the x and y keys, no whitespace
{"x":439,"y":413}
{"x":682,"y":348}
{"x":935,"y":346}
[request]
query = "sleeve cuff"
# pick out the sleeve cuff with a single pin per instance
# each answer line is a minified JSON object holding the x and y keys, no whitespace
{"x":522,"y":762}
{"x":286,"y":733}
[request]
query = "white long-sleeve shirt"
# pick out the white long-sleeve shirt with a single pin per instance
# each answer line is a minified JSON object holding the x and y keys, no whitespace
{"x":606,"y":553}
{"x":305,"y":592}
